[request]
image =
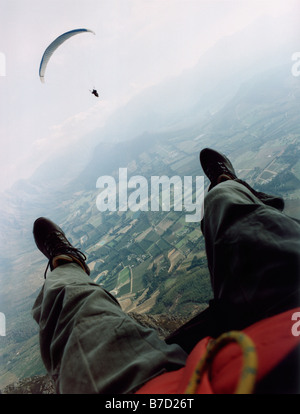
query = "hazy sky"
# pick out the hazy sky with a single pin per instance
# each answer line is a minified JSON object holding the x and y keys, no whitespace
{"x":137,"y":43}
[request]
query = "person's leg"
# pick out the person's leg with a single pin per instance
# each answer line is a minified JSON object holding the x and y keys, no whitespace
{"x":88,"y":344}
{"x":253,"y":253}
{"x":253,"y":250}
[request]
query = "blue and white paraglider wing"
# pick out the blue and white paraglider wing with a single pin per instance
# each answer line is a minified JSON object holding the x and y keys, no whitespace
{"x":54,"y":45}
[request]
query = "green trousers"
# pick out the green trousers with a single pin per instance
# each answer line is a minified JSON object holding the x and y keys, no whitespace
{"x":89,"y":345}
{"x":253,"y":251}
{"x":253,"y":255}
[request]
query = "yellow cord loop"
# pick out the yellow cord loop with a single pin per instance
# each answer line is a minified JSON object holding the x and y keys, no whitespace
{"x":249,"y":368}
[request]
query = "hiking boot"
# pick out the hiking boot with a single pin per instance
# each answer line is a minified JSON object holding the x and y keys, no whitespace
{"x":216,"y":167}
{"x":52,"y":242}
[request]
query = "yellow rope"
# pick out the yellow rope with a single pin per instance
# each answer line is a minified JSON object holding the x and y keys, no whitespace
{"x":249,"y":368}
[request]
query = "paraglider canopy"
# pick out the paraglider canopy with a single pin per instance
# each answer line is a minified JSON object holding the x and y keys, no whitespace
{"x":53,"y":46}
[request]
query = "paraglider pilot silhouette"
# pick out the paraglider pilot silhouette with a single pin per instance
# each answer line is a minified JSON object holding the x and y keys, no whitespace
{"x":89,"y":345}
{"x":94,"y":92}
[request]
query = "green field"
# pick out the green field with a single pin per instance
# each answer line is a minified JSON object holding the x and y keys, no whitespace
{"x":124,"y":276}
